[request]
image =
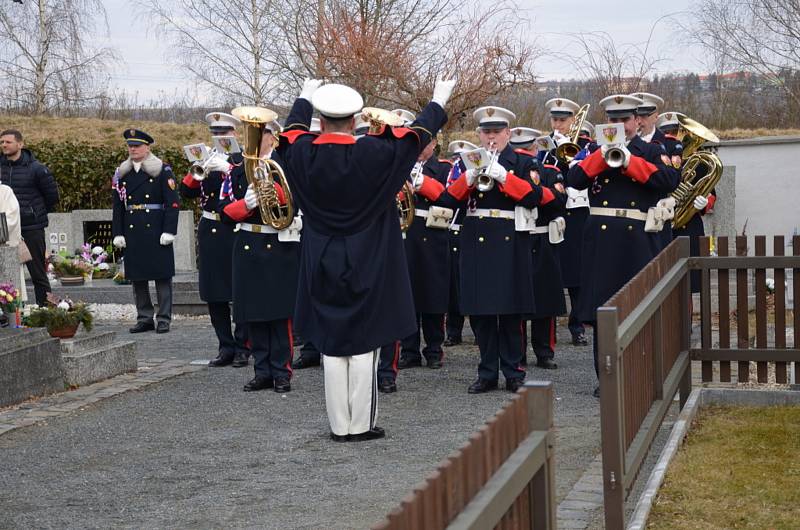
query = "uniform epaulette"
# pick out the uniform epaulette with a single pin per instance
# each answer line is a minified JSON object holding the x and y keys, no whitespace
{"x":522,"y":151}
{"x":551,"y":166}
{"x":671,"y":136}
{"x":445,"y":161}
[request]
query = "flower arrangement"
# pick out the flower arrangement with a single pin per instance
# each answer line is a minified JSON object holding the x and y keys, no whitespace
{"x":98,"y":258}
{"x":9,"y":298}
{"x":65,"y":265}
{"x":61,"y":317}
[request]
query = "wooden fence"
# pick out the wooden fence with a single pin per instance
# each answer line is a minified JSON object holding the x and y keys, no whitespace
{"x":503,"y":477}
{"x":644,"y":344}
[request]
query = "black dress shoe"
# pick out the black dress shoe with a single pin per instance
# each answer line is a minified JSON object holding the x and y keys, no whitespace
{"x":259,"y":383}
{"x":340,"y":437}
{"x":580,"y":340}
{"x":239,"y":360}
{"x":223,"y":359}
{"x":305,"y":362}
{"x":547,"y":364}
{"x":282,"y":385}
{"x":407,"y":362}
{"x":162,"y":327}
{"x":387,"y":385}
{"x":452,"y":341}
{"x":512,"y":385}
{"x":481,"y":386}
{"x":596,"y":392}
{"x":143,"y":326}
{"x":372,"y":434}
{"x":434,"y":364}
{"x":524,"y":361}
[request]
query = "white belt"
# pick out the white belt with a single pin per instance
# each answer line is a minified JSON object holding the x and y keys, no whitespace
{"x":257,"y":229}
{"x":487,"y":212}
{"x":211,"y":215}
{"x":455,"y":228}
{"x":421,"y":213}
{"x":618,"y":212}
{"x":540,"y":230}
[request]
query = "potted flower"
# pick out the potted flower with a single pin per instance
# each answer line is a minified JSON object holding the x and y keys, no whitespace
{"x":98,"y":257}
{"x":70,"y":270}
{"x":10,"y":303}
{"x":61,"y":317}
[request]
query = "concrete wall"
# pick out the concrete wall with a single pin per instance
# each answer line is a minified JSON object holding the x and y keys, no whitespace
{"x":766,"y":184}
{"x":66,"y":231}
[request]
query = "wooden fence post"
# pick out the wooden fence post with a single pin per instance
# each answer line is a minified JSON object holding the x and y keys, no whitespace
{"x":540,"y":418}
{"x":686,"y":320}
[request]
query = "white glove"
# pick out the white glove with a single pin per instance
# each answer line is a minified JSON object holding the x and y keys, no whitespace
{"x":119,"y":241}
{"x":442,"y":90}
{"x":627,"y":159}
{"x":497,"y":172}
{"x":309,"y":87}
{"x":472,"y":176}
{"x":218,"y":162}
{"x":250,"y":198}
{"x":560,"y":139}
{"x":700,"y":202}
{"x":166,"y":239}
{"x":419,"y":179}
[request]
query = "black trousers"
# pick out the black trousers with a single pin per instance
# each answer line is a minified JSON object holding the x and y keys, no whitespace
{"x":432,"y":327}
{"x":230,"y":342}
{"x":500,"y":341}
{"x":575,"y":326}
{"x":387,"y":363}
{"x":144,"y":306}
{"x":271,"y":347}
{"x":594,"y":350}
{"x":309,"y":351}
{"x":34,"y":239}
{"x":455,"y":325}
{"x":543,"y":337}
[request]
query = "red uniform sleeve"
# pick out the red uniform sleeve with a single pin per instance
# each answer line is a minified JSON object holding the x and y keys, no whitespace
{"x":459,"y":189}
{"x":712,"y":199}
{"x":189,"y":182}
{"x":594,"y":164}
{"x":639,"y":169}
{"x":515,"y":187}
{"x":237,"y":210}
{"x":431,"y":188}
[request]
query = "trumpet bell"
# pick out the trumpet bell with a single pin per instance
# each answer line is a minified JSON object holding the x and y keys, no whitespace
{"x":484,"y":183}
{"x":614,"y":157}
{"x":254,"y":114}
{"x":567,"y":152}
{"x":693,"y":135}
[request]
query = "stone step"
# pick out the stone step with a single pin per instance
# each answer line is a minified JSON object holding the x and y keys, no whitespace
{"x":88,"y":367}
{"x":87,"y":342}
{"x":30,"y":365}
{"x":14,"y":338}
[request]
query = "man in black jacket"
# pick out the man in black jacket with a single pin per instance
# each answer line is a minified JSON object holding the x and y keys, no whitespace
{"x":37,"y":193}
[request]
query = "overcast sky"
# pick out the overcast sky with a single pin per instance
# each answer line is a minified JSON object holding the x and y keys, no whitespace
{"x":146,"y":68}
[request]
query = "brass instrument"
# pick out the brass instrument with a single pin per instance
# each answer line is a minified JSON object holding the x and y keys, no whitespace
{"x":199,"y":170}
{"x":377,"y":118}
{"x":263,"y":173}
{"x":484,"y":181}
{"x":614,"y":156}
{"x":694,"y":183}
{"x":567,"y":152}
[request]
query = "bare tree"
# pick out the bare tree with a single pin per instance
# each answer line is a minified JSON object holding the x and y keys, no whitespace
{"x":46,"y":56}
{"x":760,"y":36}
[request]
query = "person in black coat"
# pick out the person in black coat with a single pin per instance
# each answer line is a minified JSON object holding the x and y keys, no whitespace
{"x":215,"y":245}
{"x":615,"y":243}
{"x":354,"y":294}
{"x":37,"y":194}
{"x":144,"y":222}
{"x":496,"y":255}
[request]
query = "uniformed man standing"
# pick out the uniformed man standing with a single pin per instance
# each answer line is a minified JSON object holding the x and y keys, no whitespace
{"x":265,"y":269}
{"x":615,"y":244}
{"x":144,"y":223}
{"x":354,"y":293}
{"x":454,"y":322}
{"x":496,"y":254}
{"x":428,"y":257}
{"x":215,"y":245}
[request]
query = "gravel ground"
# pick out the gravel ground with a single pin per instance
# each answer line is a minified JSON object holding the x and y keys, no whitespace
{"x":197,"y":452}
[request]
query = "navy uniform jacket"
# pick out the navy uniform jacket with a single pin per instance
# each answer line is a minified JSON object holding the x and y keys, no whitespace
{"x":660,"y":139}
{"x":569,"y":250}
{"x":547,"y":283}
{"x":496,"y":261}
{"x":354,"y":293}
{"x":427,"y":249}
{"x":455,"y":245}
{"x":264,"y":268}
{"x":214,"y":238}
{"x":153,"y":184}
{"x":616,"y":248}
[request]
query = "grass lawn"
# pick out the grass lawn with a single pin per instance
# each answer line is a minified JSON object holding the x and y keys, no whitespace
{"x":739,"y":467}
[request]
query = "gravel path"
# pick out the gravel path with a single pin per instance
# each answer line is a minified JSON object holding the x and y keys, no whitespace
{"x":197,"y":452}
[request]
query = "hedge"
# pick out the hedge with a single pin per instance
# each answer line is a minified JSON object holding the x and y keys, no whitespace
{"x":83,"y":171}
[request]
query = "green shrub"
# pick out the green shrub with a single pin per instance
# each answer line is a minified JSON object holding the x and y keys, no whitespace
{"x":54,"y":318}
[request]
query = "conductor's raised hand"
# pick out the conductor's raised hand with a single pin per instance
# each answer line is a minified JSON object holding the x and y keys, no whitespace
{"x":309,"y":87}
{"x":442,"y":90}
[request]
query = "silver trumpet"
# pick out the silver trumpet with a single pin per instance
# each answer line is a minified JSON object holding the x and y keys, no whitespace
{"x":199,"y":170}
{"x":614,"y":156}
{"x":484,"y":180}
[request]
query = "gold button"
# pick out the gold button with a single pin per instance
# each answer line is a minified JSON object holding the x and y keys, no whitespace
{"x":146,"y":196}
{"x":424,"y":238}
{"x":633,"y":203}
{"x":269,"y":246}
{"x":247,"y":247}
{"x":455,"y":249}
{"x":605,"y":203}
{"x":148,"y":225}
{"x":480,"y":195}
{"x":633,"y":180}
{"x":630,"y":227}
{"x":151,"y":180}
{"x":455,"y":233}
{"x":508,"y":238}
{"x":213,"y":230}
{"x":602,"y":227}
{"x":480,"y":239}
{"x":212,"y":194}
{"x":131,"y":226}
{"x":605,"y":181}
{"x":569,"y":213}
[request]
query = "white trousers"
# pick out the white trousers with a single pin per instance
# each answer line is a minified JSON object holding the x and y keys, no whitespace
{"x":351,"y":392}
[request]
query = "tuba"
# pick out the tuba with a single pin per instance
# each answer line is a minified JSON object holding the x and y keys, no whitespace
{"x":378,"y":118}
{"x":263,"y":173}
{"x":701,"y":170}
{"x":566,"y":152}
